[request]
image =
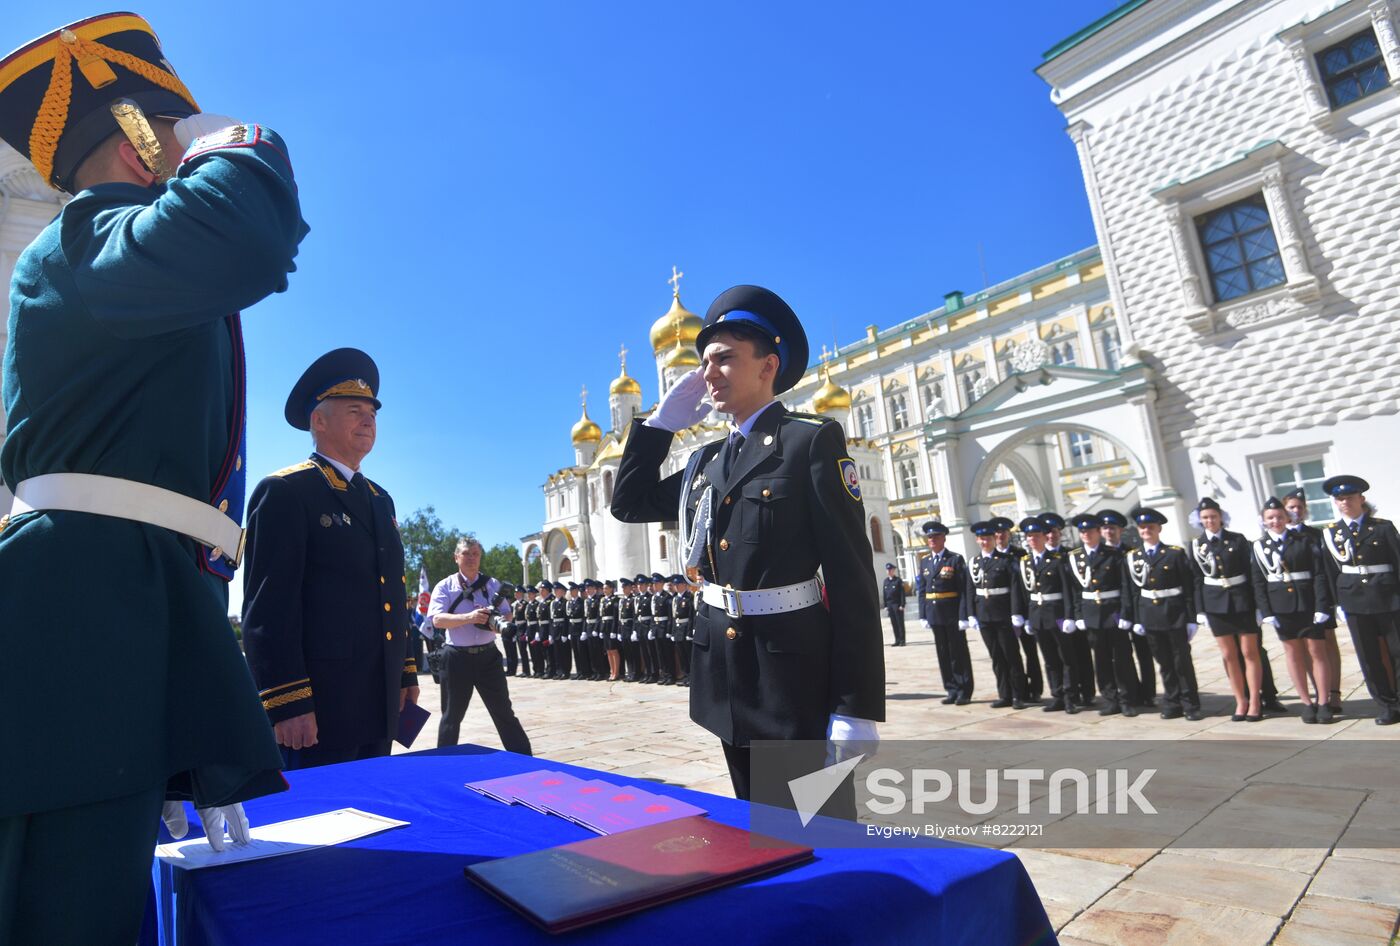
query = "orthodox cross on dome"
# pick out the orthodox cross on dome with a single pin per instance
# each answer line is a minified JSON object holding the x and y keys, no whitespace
{"x":583,"y":397}
{"x":622,"y":354}
{"x":675,"y":281}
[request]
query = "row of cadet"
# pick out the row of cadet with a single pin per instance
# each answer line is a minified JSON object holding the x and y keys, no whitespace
{"x":1100,"y":614}
{"x":636,"y":630}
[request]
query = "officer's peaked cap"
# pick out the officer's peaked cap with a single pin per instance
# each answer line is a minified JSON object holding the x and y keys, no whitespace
{"x":345,"y":372}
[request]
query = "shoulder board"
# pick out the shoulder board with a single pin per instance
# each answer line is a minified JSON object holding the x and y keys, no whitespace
{"x":1176,"y":547}
{"x":294,"y":468}
{"x":816,"y":420}
{"x":374,"y":487}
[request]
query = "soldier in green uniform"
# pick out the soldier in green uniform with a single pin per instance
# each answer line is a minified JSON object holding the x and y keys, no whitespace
{"x":123,"y":381}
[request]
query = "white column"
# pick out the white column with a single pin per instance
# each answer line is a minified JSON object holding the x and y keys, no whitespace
{"x":1319,"y":111}
{"x":1195,"y":313}
{"x":989,"y":358}
{"x":1301,"y":281}
{"x":1088,"y":352}
{"x":1079,"y":134}
{"x":1384,"y":25}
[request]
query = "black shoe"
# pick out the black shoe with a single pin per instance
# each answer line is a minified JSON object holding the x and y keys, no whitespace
{"x":1172,"y":712}
{"x":1334,"y":702}
{"x":1112,"y":709}
{"x":1388,"y":717}
{"x":1001,"y":704}
{"x":1084,"y":704}
{"x":964,"y":700}
{"x":1194,"y":716}
{"x":950,"y":698}
{"x":1056,"y":707}
{"x":1129,"y":709}
{"x":1274,"y":706}
{"x":1237,"y":717}
{"x":1310,"y":713}
{"x":1254,"y":719}
{"x":1017,"y":704}
{"x":1071,"y":709}
{"x":1324,"y":713}
{"x":630,"y":678}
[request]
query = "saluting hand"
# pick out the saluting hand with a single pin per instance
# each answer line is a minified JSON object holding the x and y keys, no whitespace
{"x":683,"y":406}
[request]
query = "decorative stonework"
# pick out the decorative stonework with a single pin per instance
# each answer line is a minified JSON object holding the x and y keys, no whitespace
{"x":1384,"y":25}
{"x":1029,"y":355}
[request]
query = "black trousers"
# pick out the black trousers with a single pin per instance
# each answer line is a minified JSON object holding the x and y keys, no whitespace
{"x":1035,"y":684}
{"x":522,"y":646}
{"x":78,"y":875}
{"x":597,"y":655}
{"x":1146,"y":692}
{"x":631,"y":656}
{"x":583,"y":666}
{"x":651,"y":666}
{"x":1113,"y":662}
{"x":322,"y":754}
{"x":1173,"y":654}
{"x":538,"y":651}
{"x":954,"y":660}
{"x":842,"y":803}
{"x":463,"y":672}
{"x":1059,"y":661}
{"x":897,"y":623}
{"x":1000,"y":638}
{"x":1084,"y":667}
{"x":559,"y":646}
{"x":512,"y":658}
{"x":1369,"y":633}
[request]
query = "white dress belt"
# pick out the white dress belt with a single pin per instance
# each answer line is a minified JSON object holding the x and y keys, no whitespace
{"x":988,"y":592}
{"x":1101,"y":595}
{"x":739,"y":604}
{"x":1230,"y":582}
{"x":1151,"y":595}
{"x":1290,"y":576}
{"x":139,"y":502}
{"x":1367,"y":569}
{"x":1040,"y":598}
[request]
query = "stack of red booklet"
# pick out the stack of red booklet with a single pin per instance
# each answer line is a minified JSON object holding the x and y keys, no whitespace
{"x":601,"y":807}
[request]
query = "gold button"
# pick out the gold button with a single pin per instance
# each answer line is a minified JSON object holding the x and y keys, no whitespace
{"x":238,"y":463}
{"x":404,"y":579}
{"x":728,"y":500}
{"x":386,"y":606}
{"x":767,"y":493}
{"x":724,"y":545}
{"x":381,"y":579}
{"x":388,"y":635}
{"x":767,"y":441}
{"x":731,"y":633}
{"x":223,"y":505}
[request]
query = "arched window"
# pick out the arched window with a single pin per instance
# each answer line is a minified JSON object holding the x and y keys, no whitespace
{"x":661,"y":547}
{"x":877,"y":538}
{"x":607,"y":487}
{"x":566,"y":567}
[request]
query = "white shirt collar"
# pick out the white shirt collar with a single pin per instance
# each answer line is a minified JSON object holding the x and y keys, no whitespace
{"x":1212,"y":536}
{"x":1149,"y":549}
{"x":747,"y":425}
{"x":345,"y":471}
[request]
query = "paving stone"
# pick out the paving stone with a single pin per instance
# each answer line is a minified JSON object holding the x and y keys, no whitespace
{"x":1143,"y":918}
{"x":1189,"y":876}
{"x":1349,"y":878}
{"x":1325,"y":921}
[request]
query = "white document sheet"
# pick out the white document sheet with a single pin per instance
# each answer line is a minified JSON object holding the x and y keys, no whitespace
{"x":274,"y":840}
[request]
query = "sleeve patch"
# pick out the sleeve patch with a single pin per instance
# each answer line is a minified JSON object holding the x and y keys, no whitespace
{"x":234,"y":136}
{"x":849,"y":477}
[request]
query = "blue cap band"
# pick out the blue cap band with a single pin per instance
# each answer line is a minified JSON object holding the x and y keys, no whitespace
{"x":740,"y":315}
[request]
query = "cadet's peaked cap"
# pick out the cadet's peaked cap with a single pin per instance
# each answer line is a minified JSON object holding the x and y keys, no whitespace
{"x":1207,"y":503}
{"x":1112,"y":517}
{"x":889,"y":565}
{"x":345,"y":372}
{"x":626,"y":582}
{"x":1033,"y":525}
{"x":642,"y":579}
{"x":1344,"y":485}
{"x":1143,"y":515}
{"x":1298,"y":493}
{"x":934,"y":527}
{"x":761,"y":309}
{"x":983,"y":528}
{"x":544,"y":586}
{"x":573,"y":586}
{"x":56,"y":93}
{"x":1001,"y":524}
{"x":1273,"y":502}
{"x":1086,"y":522}
{"x":1051,"y":520}
{"x":657,"y":576}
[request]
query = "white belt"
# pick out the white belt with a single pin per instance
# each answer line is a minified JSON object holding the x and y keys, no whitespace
{"x":139,"y":502}
{"x":1159,"y":595}
{"x":1230,"y":582}
{"x":738,"y":604}
{"x":1039,"y":598}
{"x":1346,"y":569}
{"x":1290,"y":576}
{"x":1101,"y":595}
{"x":988,"y":592}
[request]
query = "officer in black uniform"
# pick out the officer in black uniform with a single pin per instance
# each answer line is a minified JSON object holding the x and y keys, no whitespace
{"x":520,"y":667}
{"x":993,"y":609}
{"x":1144,"y":695}
{"x":509,"y":633}
{"x":1096,"y":570}
{"x":682,"y":619}
{"x":538,"y":635}
{"x":325,"y":632}
{"x":661,"y":629}
{"x":1296,"y":505}
{"x":627,"y":631}
{"x":943,"y":610}
{"x":764,"y":510}
{"x":1044,"y":608}
{"x":1363,"y":560}
{"x":1035,"y":684}
{"x":609,"y":629}
{"x":593,"y":636}
{"x":646,"y":640}
{"x":578,"y":645}
{"x":559,"y":631}
{"x":1161,"y":600}
{"x":1076,"y":645}
{"x":893,"y":593}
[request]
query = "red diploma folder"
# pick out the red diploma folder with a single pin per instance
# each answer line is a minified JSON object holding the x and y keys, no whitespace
{"x":574,"y":885}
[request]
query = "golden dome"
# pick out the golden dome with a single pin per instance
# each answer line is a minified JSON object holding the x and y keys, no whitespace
{"x":663,"y":330}
{"x":585,"y":431}
{"x":622,"y":384}
{"x":830,"y":396}
{"x":682,"y":356}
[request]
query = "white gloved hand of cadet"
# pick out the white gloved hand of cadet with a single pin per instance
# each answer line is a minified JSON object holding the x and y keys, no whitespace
{"x":848,"y":736}
{"x":173,"y":814}
{"x":1067,"y":626}
{"x":1017,"y":621}
{"x":197,"y":126}
{"x":1079,"y":623}
{"x":974,"y":624}
{"x":1318,"y":618}
{"x":927,"y":626}
{"x":226,"y":816}
{"x":683,"y":405}
{"x":1125,"y":625}
{"x":1139,"y":630}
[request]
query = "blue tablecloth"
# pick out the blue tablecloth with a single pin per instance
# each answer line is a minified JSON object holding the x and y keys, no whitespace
{"x":406,"y":885}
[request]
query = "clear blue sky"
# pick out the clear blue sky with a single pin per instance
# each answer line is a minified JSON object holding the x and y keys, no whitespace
{"x":497,"y":192}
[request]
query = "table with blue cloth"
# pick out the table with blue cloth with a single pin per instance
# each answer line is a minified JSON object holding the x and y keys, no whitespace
{"x":406,"y":885}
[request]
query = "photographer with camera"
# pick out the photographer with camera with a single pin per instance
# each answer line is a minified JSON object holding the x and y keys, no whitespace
{"x":467,"y":606}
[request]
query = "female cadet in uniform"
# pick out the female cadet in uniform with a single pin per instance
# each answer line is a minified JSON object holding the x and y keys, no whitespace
{"x":1225,"y":603}
{"x":1296,"y":505}
{"x":1291,"y":592}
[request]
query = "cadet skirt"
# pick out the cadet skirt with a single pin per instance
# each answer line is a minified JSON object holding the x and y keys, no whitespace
{"x":1233,"y":624}
{"x":1292,"y":627}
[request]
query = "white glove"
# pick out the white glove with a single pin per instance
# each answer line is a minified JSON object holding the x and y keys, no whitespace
{"x":651,"y":635}
{"x":1067,"y":626}
{"x":1271,"y":620}
{"x":217,"y":819}
{"x":1202,"y":619}
{"x":1318,"y":618}
{"x":1125,"y":626}
{"x":1079,"y":623}
{"x":634,"y":637}
{"x":1190,"y":631}
{"x":973,"y":624}
{"x":847,"y":736}
{"x":1139,"y":630}
{"x":197,"y":126}
{"x":1017,"y":621}
{"x":962,"y":625}
{"x":683,"y":405}
{"x":173,"y":814}
{"x":927,"y":625}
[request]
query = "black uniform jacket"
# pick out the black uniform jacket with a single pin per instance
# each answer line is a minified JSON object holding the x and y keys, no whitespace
{"x":1376,"y":546}
{"x":943,"y":588}
{"x":1097,"y":574}
{"x":324,"y":623}
{"x":790,"y":505}
{"x":1225,"y":560}
{"x":1289,"y":576}
{"x":682,"y":615}
{"x":1001,"y":591}
{"x":893,"y":591}
{"x":1050,"y":580}
{"x":1158,"y":574}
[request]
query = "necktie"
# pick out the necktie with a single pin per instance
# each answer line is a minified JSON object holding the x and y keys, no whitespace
{"x":1355,"y":527}
{"x":732,"y":446}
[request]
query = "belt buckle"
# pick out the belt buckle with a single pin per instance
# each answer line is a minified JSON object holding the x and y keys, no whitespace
{"x":728,"y":595}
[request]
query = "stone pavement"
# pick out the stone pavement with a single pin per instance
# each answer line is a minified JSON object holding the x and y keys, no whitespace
{"x":1164,"y":893}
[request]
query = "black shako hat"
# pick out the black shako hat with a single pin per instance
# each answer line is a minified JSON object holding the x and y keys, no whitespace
{"x":56,"y":92}
{"x":345,"y":372}
{"x":764,"y":310}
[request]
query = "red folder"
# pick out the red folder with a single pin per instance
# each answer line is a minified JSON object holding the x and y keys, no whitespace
{"x":574,"y":885}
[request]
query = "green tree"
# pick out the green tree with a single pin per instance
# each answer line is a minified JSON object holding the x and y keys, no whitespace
{"x":503,"y":562}
{"x":426,"y":541}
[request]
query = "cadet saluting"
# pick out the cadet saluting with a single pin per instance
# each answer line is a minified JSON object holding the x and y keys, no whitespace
{"x":760,"y":513}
